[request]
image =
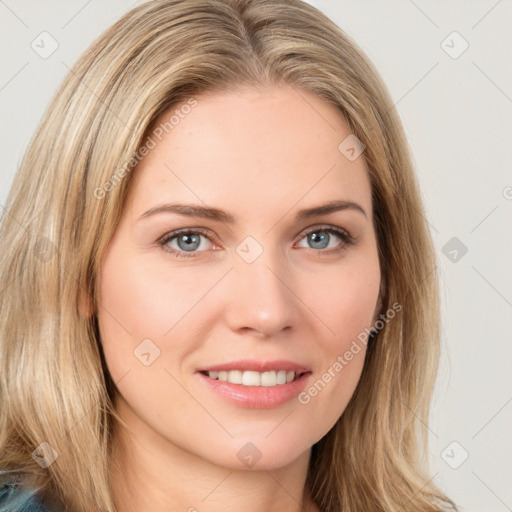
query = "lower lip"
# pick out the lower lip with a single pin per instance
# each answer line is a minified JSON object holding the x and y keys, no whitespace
{"x":256,"y":397}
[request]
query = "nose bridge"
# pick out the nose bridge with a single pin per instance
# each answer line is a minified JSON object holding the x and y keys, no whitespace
{"x":261,"y":299}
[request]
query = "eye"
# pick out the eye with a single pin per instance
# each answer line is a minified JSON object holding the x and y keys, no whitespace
{"x":186,"y":243}
{"x":324,"y":237}
{"x":179,"y":243}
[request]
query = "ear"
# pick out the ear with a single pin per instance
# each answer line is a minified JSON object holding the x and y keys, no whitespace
{"x":85,"y":304}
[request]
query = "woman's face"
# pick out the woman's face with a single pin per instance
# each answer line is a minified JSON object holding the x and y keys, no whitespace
{"x":246,"y":280}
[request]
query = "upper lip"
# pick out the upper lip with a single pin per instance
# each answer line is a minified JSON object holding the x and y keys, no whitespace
{"x":257,"y":366}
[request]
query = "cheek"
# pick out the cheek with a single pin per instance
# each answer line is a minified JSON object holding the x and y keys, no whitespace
{"x":133,"y":307}
{"x":344,"y":300}
{"x":344,"y":297}
{"x":142,"y":298}
{"x":137,"y":308}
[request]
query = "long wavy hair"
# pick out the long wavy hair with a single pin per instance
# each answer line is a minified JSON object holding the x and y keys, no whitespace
{"x":65,"y":203}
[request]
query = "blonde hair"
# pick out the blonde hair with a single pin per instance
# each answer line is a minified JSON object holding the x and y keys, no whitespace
{"x":60,"y":216}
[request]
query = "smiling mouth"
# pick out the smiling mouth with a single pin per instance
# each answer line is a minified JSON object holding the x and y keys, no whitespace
{"x":253,"y":378}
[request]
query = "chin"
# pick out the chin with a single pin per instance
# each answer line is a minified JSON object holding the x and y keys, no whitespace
{"x":260,"y":453}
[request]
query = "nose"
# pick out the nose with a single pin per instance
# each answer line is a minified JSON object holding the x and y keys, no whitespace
{"x":261,"y":301}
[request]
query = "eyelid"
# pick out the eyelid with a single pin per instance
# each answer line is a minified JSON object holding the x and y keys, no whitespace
{"x":208,"y":234}
{"x":341,"y":232}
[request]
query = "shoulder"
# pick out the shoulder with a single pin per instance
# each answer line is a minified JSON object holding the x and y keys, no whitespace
{"x":16,"y":499}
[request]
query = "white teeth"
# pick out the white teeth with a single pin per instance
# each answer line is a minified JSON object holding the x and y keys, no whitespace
{"x":235,"y":377}
{"x":251,"y":378}
{"x":268,"y":379}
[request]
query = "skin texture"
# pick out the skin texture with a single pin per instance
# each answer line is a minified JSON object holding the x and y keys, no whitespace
{"x":261,"y":155}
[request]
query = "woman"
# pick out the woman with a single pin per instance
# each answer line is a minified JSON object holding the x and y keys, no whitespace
{"x":224,"y":292}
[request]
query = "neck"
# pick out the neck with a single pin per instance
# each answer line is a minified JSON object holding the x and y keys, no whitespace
{"x":151,"y":473}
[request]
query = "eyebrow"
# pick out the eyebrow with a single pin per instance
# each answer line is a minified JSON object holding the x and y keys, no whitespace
{"x":193,"y":210}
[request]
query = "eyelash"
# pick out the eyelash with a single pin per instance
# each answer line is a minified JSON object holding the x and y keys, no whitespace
{"x":347,"y":240}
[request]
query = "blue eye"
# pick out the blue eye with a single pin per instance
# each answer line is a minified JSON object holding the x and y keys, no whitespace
{"x":321,"y":238}
{"x":186,"y":243}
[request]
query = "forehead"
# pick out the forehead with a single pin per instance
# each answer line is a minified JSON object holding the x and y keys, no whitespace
{"x":275,"y":144}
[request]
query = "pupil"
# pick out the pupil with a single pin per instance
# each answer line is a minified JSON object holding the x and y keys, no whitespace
{"x":318,"y":239}
{"x":190,"y":242}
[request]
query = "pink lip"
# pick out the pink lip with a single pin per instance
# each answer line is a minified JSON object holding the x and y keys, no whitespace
{"x":257,"y":366}
{"x":256,"y":397}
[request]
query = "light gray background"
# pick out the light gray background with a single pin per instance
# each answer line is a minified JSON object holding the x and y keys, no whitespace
{"x":457,"y":115}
